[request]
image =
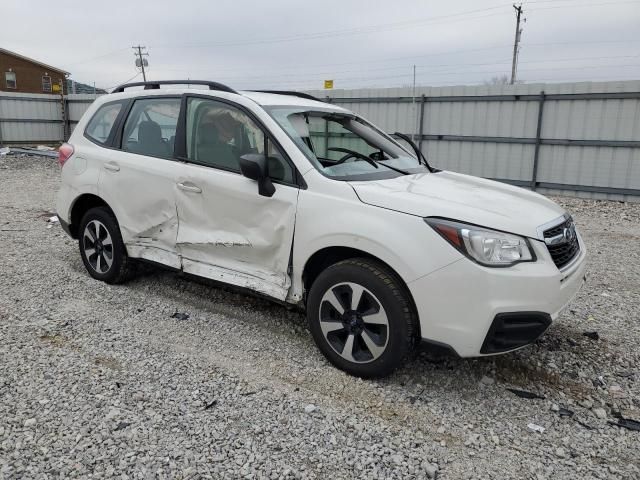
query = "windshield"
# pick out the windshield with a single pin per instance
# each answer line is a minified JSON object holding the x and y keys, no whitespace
{"x":344,"y":146}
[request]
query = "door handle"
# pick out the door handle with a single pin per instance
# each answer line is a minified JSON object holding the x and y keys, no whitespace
{"x":112,"y":167}
{"x":189,"y":187}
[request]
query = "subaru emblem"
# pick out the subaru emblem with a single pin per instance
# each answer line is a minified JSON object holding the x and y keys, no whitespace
{"x":569,"y":233}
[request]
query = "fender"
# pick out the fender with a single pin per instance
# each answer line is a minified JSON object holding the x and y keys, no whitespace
{"x":328,"y":220}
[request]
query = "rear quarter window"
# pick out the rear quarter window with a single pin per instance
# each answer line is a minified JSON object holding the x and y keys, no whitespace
{"x":100,"y":126}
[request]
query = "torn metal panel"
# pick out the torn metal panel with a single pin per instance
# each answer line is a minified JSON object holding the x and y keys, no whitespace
{"x":228,"y":232}
{"x":155,"y":225}
{"x":154,"y":254}
{"x":151,"y":234}
{"x":158,"y":227}
{"x":270,"y":287}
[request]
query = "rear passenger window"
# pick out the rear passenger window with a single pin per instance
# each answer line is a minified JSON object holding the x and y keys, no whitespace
{"x":218,"y":134}
{"x":150,"y":128}
{"x":101,"y":124}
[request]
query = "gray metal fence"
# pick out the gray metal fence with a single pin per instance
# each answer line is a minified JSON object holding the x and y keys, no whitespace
{"x":27,"y":118}
{"x":578,"y":139}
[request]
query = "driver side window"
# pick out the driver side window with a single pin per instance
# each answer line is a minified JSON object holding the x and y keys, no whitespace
{"x":218,"y":134}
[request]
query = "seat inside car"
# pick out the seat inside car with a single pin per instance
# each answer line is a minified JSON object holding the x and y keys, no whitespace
{"x":150,"y":140}
{"x":213,"y":151}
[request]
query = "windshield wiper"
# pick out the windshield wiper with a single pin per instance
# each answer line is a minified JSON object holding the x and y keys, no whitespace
{"x":404,"y":172}
{"x":367,"y":159}
{"x":417,"y":151}
{"x":353,"y":154}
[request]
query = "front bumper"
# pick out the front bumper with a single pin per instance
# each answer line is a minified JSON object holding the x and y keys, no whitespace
{"x":463,"y":305}
{"x":510,"y":331}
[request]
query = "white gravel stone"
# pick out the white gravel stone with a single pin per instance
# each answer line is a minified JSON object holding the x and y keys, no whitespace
{"x":586,"y":403}
{"x":431,"y":470}
{"x":487,"y":380}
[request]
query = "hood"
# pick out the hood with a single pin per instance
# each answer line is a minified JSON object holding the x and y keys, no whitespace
{"x":462,"y":197}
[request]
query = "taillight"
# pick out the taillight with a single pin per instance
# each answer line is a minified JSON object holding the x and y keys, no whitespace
{"x":64,"y":153}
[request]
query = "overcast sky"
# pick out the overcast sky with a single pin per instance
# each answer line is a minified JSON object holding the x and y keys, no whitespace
{"x":358,"y":43}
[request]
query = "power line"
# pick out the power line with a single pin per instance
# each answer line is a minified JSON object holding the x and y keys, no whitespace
{"x":456,"y":66}
{"x":466,"y":15}
{"x":334,"y":33}
{"x":120,"y":83}
{"x":409,"y":58}
{"x":108,"y":54}
{"x":390,"y":26}
{"x":585,"y":5}
{"x":375,"y":28}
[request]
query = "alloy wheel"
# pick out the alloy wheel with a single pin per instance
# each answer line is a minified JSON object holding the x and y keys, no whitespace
{"x":98,"y":246}
{"x":354,"y":323}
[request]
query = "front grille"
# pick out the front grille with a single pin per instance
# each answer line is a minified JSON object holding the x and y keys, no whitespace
{"x":514,"y":330}
{"x":552,"y":232}
{"x":562,"y":242}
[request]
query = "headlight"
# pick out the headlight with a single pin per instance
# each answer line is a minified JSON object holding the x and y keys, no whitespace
{"x":487,"y":247}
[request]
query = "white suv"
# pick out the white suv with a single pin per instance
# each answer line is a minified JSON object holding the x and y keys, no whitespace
{"x":309,"y":204}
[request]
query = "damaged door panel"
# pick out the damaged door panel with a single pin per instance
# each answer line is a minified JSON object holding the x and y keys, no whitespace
{"x":139,"y":181}
{"x":227,"y":232}
{"x":144,"y":204}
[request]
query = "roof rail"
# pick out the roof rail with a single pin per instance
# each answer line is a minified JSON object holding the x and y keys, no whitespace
{"x":290,"y":92}
{"x":155,"y":85}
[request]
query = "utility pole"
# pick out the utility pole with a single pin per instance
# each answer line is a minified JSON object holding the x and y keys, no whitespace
{"x":413,"y":104}
{"x":516,"y":43}
{"x":63,"y":111}
{"x":140,"y":61}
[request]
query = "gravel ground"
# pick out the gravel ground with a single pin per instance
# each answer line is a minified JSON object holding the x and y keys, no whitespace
{"x":99,"y":381}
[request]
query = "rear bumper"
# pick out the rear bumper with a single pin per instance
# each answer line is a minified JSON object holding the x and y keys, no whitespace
{"x":483,"y":311}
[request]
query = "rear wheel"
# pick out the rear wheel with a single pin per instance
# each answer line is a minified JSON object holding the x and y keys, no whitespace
{"x":101,"y":248}
{"x":361,"y":317}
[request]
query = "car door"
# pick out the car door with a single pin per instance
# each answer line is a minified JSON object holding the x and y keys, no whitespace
{"x":139,"y":179}
{"x":226,"y":230}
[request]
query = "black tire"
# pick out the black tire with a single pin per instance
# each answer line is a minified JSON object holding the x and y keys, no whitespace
{"x":393,"y":301}
{"x":121,"y":266}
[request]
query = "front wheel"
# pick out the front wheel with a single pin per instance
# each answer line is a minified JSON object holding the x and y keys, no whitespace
{"x":361,"y":317}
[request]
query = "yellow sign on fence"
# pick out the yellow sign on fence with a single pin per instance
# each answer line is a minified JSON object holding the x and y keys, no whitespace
{"x":328,"y":84}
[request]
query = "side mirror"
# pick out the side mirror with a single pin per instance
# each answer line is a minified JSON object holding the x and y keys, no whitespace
{"x":256,"y":167}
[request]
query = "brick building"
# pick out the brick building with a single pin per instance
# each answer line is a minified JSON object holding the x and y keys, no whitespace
{"x":25,"y":75}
